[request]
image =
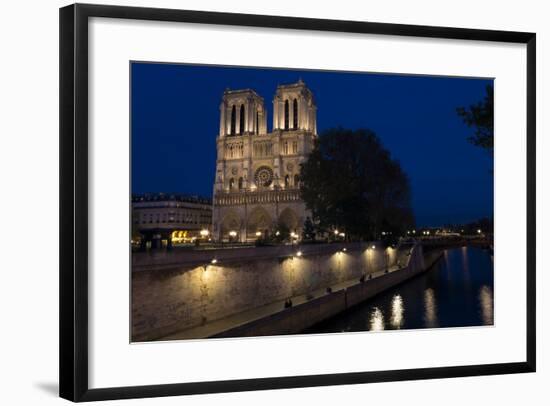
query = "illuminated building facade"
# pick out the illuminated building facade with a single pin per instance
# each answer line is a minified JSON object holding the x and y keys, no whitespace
{"x":256,"y":187}
{"x":163,"y":219}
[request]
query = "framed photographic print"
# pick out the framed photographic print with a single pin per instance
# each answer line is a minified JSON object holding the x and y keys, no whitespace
{"x":256,"y":202}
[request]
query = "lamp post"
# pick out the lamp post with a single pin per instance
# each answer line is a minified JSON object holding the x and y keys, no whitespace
{"x":293,"y":238}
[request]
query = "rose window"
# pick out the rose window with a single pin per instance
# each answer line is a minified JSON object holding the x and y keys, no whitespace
{"x":263,"y":176}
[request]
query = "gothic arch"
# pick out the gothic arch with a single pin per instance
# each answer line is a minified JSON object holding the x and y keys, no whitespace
{"x":259,"y":220}
{"x":241,"y":120}
{"x":289,"y":218}
{"x":233,"y":120}
{"x":287,"y":115}
{"x":231,"y":222}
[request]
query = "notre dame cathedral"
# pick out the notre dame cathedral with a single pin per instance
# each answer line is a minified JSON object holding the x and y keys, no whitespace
{"x":256,"y":186}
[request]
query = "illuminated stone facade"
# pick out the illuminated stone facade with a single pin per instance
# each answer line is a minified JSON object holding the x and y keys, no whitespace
{"x":162,"y":219}
{"x":257,"y":172}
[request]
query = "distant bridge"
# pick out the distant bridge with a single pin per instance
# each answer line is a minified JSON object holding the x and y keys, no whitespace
{"x":445,"y":242}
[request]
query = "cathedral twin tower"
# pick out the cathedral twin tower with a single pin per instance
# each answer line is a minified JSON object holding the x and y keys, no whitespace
{"x":256,"y":189}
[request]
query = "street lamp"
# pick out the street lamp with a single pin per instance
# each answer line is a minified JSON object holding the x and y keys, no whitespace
{"x":204,"y":233}
{"x":258,"y":233}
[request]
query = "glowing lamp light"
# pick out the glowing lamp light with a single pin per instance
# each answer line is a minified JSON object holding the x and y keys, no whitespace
{"x":342,"y":235}
{"x":204,"y":233}
{"x":344,"y":249}
{"x":299,"y":254}
{"x":232,"y":233}
{"x":373,"y":247}
{"x":258,"y":233}
{"x":479,"y":231}
{"x":277,"y":233}
{"x":214,"y":261}
{"x":336,"y":232}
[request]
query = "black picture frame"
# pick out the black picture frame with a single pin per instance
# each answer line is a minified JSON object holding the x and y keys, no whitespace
{"x":73,"y":252}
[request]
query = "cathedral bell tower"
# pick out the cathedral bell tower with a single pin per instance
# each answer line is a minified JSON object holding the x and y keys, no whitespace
{"x":294,"y":108}
{"x":242,"y":112}
{"x":242,"y":116}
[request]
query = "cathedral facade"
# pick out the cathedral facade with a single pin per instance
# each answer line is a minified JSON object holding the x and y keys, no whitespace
{"x":256,"y":187}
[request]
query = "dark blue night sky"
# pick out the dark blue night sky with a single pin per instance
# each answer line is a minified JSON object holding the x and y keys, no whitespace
{"x":175,"y":120}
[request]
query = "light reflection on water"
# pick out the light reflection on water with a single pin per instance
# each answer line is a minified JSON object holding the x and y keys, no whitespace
{"x":457,"y":292}
{"x":430,"y":308}
{"x":486,"y":301}
{"x":376,"y":320}
{"x":397,"y":311}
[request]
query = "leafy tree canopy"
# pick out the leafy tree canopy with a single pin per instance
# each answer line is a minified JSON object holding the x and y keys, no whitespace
{"x":480,"y":116}
{"x":351,"y":183}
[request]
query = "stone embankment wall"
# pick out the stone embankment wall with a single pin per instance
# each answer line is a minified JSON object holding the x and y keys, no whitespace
{"x":298,"y":318}
{"x":176,"y":290}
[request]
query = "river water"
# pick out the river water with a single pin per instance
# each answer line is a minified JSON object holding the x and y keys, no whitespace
{"x":456,"y":292}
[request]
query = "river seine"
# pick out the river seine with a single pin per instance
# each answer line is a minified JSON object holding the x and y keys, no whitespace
{"x":456,"y":292}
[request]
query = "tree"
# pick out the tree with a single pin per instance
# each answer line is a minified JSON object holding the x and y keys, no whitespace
{"x":480,"y":116}
{"x":281,"y":232}
{"x":308,"y":233}
{"x":351,"y":183}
